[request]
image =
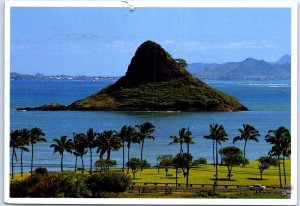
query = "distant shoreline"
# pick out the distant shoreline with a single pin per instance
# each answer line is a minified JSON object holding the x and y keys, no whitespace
{"x":38,"y":76}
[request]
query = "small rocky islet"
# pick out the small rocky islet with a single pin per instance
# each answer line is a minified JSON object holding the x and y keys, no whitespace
{"x":154,"y":81}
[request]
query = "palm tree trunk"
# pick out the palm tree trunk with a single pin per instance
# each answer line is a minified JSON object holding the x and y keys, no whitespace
{"x":75,"y":163}
{"x":188,"y":168}
{"x":229,"y":173}
{"x":142,"y":154}
{"x":214,"y":153}
{"x":283,"y":164}
{"x":108,"y":154}
{"x":181,"y":150}
{"x":21,"y":162}
{"x":128,"y":157}
{"x":31,"y":159}
{"x":12,"y":163}
{"x":82,"y":164}
{"x":245,"y":148}
{"x":279,"y":170}
{"x":187,"y":177}
{"x":142,"y":150}
{"x":91,"y":161}
{"x":61,"y":162}
{"x":261,"y":175}
{"x":216,"y":161}
{"x":123,"y":156}
{"x":176,"y":176}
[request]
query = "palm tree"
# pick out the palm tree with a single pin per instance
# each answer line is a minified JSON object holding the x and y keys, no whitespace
{"x":80,"y":149}
{"x":180,"y":139}
{"x":279,"y":139}
{"x":247,"y":133}
{"x":14,"y":144}
{"x":188,"y":139}
{"x":36,"y":135}
{"x":106,"y":142}
{"x":62,"y":145}
{"x":213,"y":149}
{"x":23,"y":142}
{"x":276,"y":151}
{"x":286,"y":151}
{"x":131,"y":137}
{"x":122,"y":136}
{"x":145,"y":131}
{"x":90,"y":138}
{"x":218,"y":134}
{"x":74,"y":151}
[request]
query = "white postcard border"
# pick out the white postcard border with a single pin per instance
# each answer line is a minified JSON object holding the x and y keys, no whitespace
{"x":135,"y":201}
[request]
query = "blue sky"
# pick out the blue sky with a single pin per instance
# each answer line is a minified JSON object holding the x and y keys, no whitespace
{"x":102,"y":41}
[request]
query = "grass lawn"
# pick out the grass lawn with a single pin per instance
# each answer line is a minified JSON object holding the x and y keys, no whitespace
{"x":178,"y":194}
{"x":204,"y":174}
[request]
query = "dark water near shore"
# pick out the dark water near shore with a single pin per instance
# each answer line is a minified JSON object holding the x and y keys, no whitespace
{"x":269,"y":103}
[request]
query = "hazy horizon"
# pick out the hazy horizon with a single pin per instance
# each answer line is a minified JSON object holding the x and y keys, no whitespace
{"x":49,"y":74}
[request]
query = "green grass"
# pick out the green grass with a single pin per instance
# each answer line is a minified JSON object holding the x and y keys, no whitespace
{"x":179,"y":194}
{"x":204,"y":174}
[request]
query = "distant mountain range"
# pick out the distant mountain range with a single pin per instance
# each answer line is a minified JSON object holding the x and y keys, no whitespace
{"x":39,"y":76}
{"x":249,"y":69}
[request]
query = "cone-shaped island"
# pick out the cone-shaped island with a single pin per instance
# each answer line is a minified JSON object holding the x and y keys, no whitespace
{"x":154,"y":81}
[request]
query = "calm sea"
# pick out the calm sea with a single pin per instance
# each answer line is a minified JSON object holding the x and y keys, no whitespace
{"x":269,"y":103}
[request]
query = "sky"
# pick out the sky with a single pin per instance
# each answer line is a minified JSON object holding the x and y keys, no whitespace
{"x":102,"y":41}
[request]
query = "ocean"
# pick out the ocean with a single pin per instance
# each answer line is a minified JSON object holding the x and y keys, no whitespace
{"x":269,"y":104}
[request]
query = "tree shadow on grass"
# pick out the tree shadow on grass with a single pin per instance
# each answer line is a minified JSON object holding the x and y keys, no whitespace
{"x":169,"y":178}
{"x":252,"y":178}
{"x":223,"y":179}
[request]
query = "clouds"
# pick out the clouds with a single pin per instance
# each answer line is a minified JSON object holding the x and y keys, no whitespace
{"x":74,"y":44}
{"x":202,"y":46}
{"x":252,"y":45}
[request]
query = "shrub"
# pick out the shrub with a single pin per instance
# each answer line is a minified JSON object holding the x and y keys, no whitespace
{"x":37,"y":185}
{"x":41,"y":185}
{"x":71,"y":185}
{"x":104,"y":165}
{"x":135,"y":164}
{"x":166,"y":162}
{"x":108,"y":181}
{"x":145,"y":164}
{"x":41,"y":171}
{"x":18,"y":189}
{"x":199,"y":161}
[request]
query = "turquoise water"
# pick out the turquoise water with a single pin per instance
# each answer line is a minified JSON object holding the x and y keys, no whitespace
{"x":268,"y":101}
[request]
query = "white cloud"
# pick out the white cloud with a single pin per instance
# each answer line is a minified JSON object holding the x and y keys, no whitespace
{"x":201,"y":46}
{"x":252,"y":45}
{"x":169,"y":42}
{"x":77,"y":46}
